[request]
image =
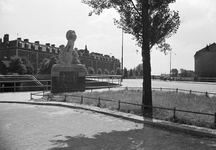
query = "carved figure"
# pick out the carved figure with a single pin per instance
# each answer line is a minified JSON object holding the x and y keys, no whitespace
{"x":68,"y":56}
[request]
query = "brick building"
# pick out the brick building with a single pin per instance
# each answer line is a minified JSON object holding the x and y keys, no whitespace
{"x":205,"y":61}
{"x":36,"y":52}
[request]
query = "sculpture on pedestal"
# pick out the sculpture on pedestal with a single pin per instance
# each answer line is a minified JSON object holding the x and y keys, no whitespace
{"x":69,"y":74}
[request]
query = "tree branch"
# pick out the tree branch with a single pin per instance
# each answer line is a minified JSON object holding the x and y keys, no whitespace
{"x":135,"y":8}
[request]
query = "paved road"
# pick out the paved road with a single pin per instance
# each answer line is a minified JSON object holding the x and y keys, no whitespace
{"x":29,"y":127}
{"x":195,"y":86}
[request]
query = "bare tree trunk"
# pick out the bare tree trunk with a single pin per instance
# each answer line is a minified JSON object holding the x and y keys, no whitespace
{"x":147,"y":92}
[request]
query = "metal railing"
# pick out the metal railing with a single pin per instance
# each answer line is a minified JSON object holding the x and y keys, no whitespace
{"x":15,"y":83}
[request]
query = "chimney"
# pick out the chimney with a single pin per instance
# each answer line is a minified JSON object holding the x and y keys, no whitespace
{"x":19,"y":39}
{"x":47,"y":44}
{"x":6,"y":38}
{"x":37,"y":42}
{"x":53,"y":45}
{"x":26,"y":40}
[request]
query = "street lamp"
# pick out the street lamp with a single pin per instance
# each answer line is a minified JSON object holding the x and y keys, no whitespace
{"x":122,"y":57}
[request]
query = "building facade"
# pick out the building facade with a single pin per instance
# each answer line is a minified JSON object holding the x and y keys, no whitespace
{"x":205,"y":62}
{"x":36,"y":52}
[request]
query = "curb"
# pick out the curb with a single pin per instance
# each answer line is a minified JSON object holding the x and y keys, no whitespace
{"x":197,"y":131}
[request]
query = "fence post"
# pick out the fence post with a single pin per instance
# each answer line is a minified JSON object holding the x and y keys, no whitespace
{"x":215,"y":119}
{"x":174,"y":114}
{"x":190,"y":91}
{"x":14,"y":86}
{"x":206,"y":94}
{"x":81,"y":100}
{"x":119,"y":105}
{"x":176,"y":90}
{"x":65,"y":98}
{"x":98,"y":105}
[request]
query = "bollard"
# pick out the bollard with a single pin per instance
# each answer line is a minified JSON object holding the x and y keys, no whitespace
{"x":31,"y":96}
{"x":119,"y":105}
{"x":176,"y":90}
{"x":81,"y":102}
{"x":161,"y":88}
{"x":190,"y":91}
{"x":98,"y":105}
{"x":206,"y":94}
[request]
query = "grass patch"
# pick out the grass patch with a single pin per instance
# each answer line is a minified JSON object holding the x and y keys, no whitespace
{"x":182,"y":101}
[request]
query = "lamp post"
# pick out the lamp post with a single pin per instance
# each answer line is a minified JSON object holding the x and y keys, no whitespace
{"x":122,"y":57}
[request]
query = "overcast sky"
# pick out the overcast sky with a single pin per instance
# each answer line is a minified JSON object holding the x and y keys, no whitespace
{"x":48,"y":21}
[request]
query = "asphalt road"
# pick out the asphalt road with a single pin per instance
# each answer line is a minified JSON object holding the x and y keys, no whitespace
{"x":29,"y":127}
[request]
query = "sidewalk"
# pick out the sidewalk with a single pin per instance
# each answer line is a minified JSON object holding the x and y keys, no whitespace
{"x":24,"y":98}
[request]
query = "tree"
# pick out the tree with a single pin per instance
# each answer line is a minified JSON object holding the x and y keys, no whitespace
{"x":125,"y":73}
{"x":174,"y":72}
{"x":186,"y":73}
{"x":17,"y":66}
{"x":99,"y":71}
{"x":112,"y":72}
{"x":47,"y":65}
{"x":106,"y":71}
{"x":91,"y":70}
{"x":131,"y":73}
{"x":139,"y":69}
{"x":118,"y":71}
{"x":150,"y":22}
{"x":28,"y":64}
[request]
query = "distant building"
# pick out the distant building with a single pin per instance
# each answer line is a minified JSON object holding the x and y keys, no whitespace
{"x":36,"y":52}
{"x":205,"y":61}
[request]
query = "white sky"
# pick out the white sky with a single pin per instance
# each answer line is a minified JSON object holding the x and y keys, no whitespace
{"x":48,"y":21}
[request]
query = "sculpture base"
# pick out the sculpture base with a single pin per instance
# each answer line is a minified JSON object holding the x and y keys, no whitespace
{"x":67,"y":78}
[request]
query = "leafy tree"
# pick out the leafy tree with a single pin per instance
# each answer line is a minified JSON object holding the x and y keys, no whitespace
{"x":118,"y":71}
{"x":125,"y":73}
{"x":174,"y":72}
{"x":131,"y":73}
{"x":28,"y":64}
{"x":99,"y":71}
{"x":44,"y":64}
{"x":112,"y":72}
{"x":106,"y":71}
{"x":86,"y":71}
{"x":17,"y":66}
{"x":150,"y":22}
{"x":47,"y":65}
{"x":139,"y":70}
{"x":91,"y":70}
{"x":186,"y":73}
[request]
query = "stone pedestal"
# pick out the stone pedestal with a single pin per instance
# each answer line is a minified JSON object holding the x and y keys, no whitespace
{"x":67,"y":78}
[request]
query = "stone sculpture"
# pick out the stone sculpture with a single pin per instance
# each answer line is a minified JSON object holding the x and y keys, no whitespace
{"x":68,"y":56}
{"x":69,"y":74}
